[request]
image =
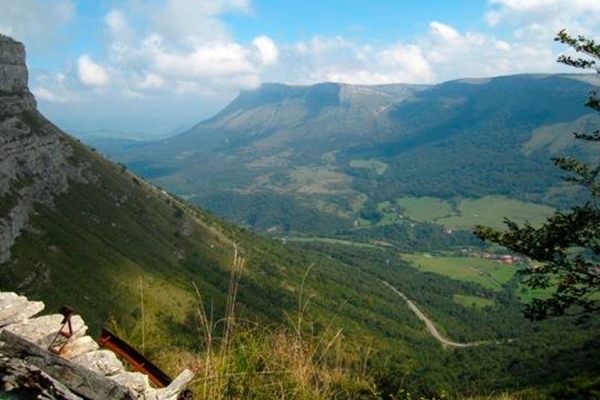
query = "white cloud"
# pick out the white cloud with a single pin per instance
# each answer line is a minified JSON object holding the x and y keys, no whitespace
{"x":118,"y":26}
{"x":205,"y":61}
{"x":35,"y":22}
{"x":474,"y":54}
{"x":194,"y":21}
{"x":150,"y":81}
{"x":90,"y":73}
{"x":578,"y":16}
{"x":442,"y":53}
{"x":186,"y":50}
{"x":409,"y":61}
{"x":267,"y":50}
{"x":42,"y":93}
{"x":443,"y":31}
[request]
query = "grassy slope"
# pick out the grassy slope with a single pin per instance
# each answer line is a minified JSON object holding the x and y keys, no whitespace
{"x":473,"y":301}
{"x":488,"y":210}
{"x":464,"y":269}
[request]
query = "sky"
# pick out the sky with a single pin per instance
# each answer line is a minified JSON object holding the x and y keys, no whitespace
{"x":149,"y":68}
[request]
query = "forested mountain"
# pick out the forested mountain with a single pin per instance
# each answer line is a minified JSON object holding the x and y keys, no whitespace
{"x":331,"y":151}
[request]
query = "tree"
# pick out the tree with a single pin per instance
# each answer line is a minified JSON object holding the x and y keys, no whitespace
{"x":567,"y":245}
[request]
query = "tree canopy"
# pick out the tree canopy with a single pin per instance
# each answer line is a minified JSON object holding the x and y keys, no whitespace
{"x":566,"y":247}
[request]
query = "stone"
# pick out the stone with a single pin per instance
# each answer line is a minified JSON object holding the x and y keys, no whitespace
{"x":19,"y":309}
{"x":78,"y":379}
{"x":34,"y":155}
{"x":4,"y":296}
{"x":103,"y":362}
{"x":78,"y":347}
{"x":178,"y":385}
{"x":43,"y":330}
{"x":135,"y":381}
{"x":18,"y":375}
{"x":13,"y":71}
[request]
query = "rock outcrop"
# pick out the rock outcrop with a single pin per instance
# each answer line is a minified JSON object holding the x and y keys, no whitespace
{"x":81,"y":370}
{"x":34,"y":154}
{"x":14,"y":92}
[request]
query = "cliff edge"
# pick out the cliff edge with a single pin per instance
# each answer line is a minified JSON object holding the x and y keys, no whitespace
{"x":34,"y":164}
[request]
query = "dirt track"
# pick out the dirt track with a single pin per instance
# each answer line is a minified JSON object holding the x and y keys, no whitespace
{"x":430,"y":325}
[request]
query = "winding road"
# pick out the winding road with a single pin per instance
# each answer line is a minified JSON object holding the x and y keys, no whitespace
{"x":430,"y":325}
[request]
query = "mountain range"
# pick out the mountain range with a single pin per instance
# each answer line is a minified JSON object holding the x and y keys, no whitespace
{"x":331,"y":152}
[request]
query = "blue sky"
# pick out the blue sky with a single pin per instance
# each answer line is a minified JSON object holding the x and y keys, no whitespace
{"x":154,"y":67}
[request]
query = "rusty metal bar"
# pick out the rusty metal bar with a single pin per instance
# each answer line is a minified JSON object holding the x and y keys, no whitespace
{"x":57,"y":346}
{"x":135,"y":358}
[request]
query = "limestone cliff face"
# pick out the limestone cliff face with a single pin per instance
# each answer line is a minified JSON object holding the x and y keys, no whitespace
{"x":34,"y":154}
{"x":14,"y":93}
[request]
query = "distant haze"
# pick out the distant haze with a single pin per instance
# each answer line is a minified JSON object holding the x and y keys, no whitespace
{"x":150,"y":119}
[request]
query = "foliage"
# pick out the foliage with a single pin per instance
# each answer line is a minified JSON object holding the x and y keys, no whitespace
{"x":568,"y":243}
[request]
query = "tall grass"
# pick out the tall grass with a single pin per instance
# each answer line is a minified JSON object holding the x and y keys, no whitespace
{"x":246,"y":360}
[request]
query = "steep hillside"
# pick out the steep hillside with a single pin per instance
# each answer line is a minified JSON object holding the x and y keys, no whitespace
{"x":334,"y":152}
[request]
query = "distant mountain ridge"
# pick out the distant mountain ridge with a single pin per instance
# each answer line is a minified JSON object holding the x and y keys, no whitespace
{"x":301,"y":145}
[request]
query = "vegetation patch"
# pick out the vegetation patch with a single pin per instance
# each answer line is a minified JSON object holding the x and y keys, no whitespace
{"x":553,"y":138}
{"x":527,"y":295}
{"x":491,"y":211}
{"x":318,"y":180}
{"x":467,"y":213}
{"x":473,"y":301}
{"x":425,"y":209}
{"x":487,"y":273}
{"x":379,"y":167}
{"x":331,"y":241}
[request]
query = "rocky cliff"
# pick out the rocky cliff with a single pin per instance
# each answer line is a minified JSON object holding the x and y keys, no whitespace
{"x":14,"y":93}
{"x":34,"y":156}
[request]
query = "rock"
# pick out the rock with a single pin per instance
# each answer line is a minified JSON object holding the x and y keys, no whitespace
{"x":75,"y":377}
{"x":135,"y":381}
{"x":18,"y":309}
{"x":17,"y":375}
{"x":78,"y":347}
{"x":43,"y":330}
{"x":13,"y":71}
{"x":172,"y":391}
{"x":4,"y":296}
{"x":103,"y":362}
{"x":34,"y":165}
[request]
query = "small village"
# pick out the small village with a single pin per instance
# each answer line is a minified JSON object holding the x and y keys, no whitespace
{"x":508,"y":259}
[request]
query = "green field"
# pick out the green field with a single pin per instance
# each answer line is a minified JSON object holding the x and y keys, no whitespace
{"x":473,"y":301}
{"x":425,"y":209}
{"x":317,"y":180}
{"x":487,"y":273}
{"x":377,"y":166}
{"x":390,"y":213}
{"x":331,"y":241}
{"x":489,"y":210}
